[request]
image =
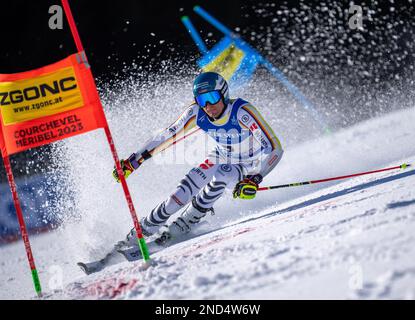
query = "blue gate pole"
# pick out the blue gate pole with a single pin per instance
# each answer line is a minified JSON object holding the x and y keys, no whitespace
{"x":213,"y":21}
{"x":295,"y":92}
{"x":194,"y":34}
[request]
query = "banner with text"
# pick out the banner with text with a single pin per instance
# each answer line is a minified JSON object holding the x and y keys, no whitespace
{"x":48,"y":104}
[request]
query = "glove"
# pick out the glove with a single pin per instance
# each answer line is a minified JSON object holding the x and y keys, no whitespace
{"x":127,"y":166}
{"x":247,"y":188}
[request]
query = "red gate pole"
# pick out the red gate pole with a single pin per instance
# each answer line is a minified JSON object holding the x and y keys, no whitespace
{"x":141,"y":241}
{"x":22,"y":224}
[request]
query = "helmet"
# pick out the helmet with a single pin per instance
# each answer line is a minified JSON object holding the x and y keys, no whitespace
{"x":210,"y":81}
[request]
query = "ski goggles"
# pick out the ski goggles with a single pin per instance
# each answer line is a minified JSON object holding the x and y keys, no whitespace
{"x":212,"y":97}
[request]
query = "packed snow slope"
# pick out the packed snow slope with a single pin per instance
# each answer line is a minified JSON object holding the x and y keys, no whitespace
{"x":351,"y":239}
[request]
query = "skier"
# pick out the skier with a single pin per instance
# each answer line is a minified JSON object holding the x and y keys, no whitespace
{"x":246,"y":151}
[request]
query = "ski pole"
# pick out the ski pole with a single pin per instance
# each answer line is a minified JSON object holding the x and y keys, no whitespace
{"x":297,"y":184}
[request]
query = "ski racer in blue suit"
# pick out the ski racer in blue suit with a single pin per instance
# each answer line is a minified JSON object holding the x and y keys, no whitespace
{"x":246,"y":151}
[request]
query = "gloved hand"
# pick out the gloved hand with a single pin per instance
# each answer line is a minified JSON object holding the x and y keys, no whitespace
{"x":247,"y":188}
{"x":127,"y":166}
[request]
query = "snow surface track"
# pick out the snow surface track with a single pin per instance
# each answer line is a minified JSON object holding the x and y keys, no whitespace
{"x":353,"y":239}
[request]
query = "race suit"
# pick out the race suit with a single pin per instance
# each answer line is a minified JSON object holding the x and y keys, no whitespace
{"x":245,"y":145}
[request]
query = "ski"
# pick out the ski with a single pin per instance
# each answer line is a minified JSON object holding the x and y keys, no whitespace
{"x":162,"y":241}
{"x":109,"y":259}
{"x":133,"y":253}
{"x":95,"y":266}
{"x":91,"y":267}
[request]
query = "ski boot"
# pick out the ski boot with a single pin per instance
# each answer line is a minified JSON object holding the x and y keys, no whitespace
{"x":148,"y":229}
{"x":183,"y":224}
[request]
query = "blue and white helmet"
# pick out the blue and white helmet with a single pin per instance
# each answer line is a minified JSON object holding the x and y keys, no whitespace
{"x":210,"y":81}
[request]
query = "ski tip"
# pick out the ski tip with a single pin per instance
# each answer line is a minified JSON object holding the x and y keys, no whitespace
{"x":84,"y":268}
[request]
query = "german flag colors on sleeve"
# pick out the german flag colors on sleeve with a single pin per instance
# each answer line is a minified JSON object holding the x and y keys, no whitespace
{"x":250,"y":118}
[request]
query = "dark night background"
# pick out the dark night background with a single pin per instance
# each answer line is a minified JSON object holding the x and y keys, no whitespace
{"x":116,"y":34}
{"x":112,"y":32}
